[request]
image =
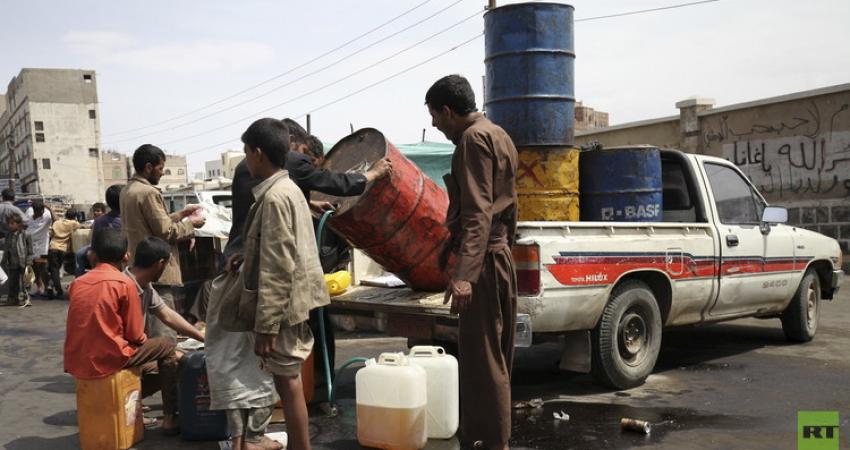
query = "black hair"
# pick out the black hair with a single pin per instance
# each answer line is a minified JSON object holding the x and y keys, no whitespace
{"x":296,"y":131}
{"x":113,"y":196}
{"x":109,"y":244}
{"x":147,"y":153}
{"x":315,"y":146}
{"x":150,"y":250}
{"x":98,"y":206}
{"x":14,"y":218}
{"x":8,"y":195}
{"x":453,"y":91}
{"x":271,"y":136}
{"x":71,"y":214}
{"x":38,"y":206}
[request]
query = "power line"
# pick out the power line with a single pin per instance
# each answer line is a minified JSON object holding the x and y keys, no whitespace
{"x":642,"y":11}
{"x":302,"y":77}
{"x":217,"y":102}
{"x":397,"y":74}
{"x":628,"y":13}
{"x":327,"y":85}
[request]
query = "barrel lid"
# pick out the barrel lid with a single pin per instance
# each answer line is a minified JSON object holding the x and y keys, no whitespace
{"x":526,"y":5}
{"x":354,"y":153}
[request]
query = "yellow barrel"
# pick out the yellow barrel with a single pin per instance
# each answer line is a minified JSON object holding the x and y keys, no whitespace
{"x":109,"y":411}
{"x":547,"y":184}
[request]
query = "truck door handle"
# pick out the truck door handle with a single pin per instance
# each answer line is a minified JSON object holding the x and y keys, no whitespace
{"x":731,"y":240}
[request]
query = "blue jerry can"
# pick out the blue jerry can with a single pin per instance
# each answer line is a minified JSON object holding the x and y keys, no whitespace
{"x":197,"y":421}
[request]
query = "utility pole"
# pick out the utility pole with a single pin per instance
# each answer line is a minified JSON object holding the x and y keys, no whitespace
{"x":491,"y":4}
{"x":423,"y":135}
{"x":308,"y":124}
{"x":351,"y":125}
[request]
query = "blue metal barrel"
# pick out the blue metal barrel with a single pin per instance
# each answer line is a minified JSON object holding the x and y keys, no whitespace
{"x":621,"y":184}
{"x":530,"y":76}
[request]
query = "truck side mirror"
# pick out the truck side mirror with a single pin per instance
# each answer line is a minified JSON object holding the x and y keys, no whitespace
{"x":774,"y":214}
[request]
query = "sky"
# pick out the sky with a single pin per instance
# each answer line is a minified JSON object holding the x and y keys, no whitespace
{"x":191,"y":75}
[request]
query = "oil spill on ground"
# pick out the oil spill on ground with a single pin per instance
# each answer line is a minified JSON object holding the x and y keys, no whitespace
{"x":597,"y":425}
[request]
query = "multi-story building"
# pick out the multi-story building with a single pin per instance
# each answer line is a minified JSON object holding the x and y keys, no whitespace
{"x":117,"y":168}
{"x":225,"y":166}
{"x":50,"y":134}
{"x":176,"y":172}
{"x":587,"y":118}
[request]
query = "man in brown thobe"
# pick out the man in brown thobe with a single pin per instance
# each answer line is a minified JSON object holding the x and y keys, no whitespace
{"x":482,"y":222}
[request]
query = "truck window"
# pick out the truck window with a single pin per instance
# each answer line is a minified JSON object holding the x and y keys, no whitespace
{"x":679,"y":206}
{"x":737,"y":204}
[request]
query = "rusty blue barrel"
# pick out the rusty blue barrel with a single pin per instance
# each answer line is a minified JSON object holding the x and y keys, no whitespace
{"x":621,"y":184}
{"x":529,"y":61}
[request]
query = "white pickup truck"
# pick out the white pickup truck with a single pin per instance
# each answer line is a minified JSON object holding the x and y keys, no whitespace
{"x":607,"y":289}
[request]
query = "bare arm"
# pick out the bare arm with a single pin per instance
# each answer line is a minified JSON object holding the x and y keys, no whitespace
{"x":177,"y":323}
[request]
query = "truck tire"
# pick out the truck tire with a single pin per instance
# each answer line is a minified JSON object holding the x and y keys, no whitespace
{"x":800,"y":318}
{"x":627,"y":339}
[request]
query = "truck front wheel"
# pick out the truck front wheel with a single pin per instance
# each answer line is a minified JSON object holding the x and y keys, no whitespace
{"x":627,"y":339}
{"x":800,"y":318}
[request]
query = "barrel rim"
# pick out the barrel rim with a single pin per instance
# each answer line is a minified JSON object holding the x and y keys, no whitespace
{"x":534,"y":5}
{"x":341,"y":143}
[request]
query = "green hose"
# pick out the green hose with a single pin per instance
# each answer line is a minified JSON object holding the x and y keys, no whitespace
{"x":320,"y":231}
{"x":331,"y":385}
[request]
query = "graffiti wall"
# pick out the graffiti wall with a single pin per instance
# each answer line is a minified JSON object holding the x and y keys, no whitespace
{"x":793,"y":150}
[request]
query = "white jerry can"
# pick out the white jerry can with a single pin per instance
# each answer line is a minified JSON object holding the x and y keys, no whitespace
{"x":391,"y":403}
{"x":443,"y":390}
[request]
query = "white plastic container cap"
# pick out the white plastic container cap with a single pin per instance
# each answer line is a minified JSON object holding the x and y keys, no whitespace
{"x":443,"y":389}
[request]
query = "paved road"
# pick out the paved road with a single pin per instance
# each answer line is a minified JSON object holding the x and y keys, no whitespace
{"x":732,"y":385}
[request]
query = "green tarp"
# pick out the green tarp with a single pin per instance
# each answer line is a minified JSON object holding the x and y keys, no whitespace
{"x":433,"y":158}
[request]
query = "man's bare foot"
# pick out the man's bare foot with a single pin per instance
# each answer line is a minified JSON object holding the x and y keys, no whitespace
{"x":260,"y":445}
{"x":266,"y":444}
{"x":169,"y":424}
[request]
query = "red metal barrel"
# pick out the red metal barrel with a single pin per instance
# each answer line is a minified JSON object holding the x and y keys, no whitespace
{"x":399,"y":221}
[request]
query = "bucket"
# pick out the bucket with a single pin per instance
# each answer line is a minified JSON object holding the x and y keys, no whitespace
{"x":399,"y":221}
{"x":529,"y":63}
{"x":621,"y":184}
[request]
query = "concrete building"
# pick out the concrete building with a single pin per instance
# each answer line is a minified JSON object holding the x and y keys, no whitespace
{"x":212,"y":169}
{"x":176,"y":172}
{"x":117,"y":168}
{"x":50,"y":134}
{"x":223,"y":167}
{"x":794,"y":148}
{"x":588,"y":118}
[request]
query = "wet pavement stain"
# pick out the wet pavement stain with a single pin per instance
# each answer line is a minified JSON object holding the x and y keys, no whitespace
{"x":597,"y":425}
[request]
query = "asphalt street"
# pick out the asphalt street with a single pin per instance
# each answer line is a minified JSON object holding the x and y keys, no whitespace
{"x":731,"y":385}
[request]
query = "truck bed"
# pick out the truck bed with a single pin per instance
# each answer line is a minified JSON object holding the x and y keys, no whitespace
{"x":391,"y":300}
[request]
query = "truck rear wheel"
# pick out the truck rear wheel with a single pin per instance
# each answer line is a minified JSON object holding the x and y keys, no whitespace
{"x":800,"y":318}
{"x":627,"y":339}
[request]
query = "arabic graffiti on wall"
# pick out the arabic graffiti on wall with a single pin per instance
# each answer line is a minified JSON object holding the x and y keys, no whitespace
{"x":805,"y":154}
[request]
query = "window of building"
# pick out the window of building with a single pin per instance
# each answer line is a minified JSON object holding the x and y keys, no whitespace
{"x":39,"y":137}
{"x":168,"y":171}
{"x":180,"y":172}
{"x":87,"y":78}
{"x":92,"y":114}
{"x":39,"y":126}
{"x":45,"y":163}
{"x":117,"y":173}
{"x":93,"y":152}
